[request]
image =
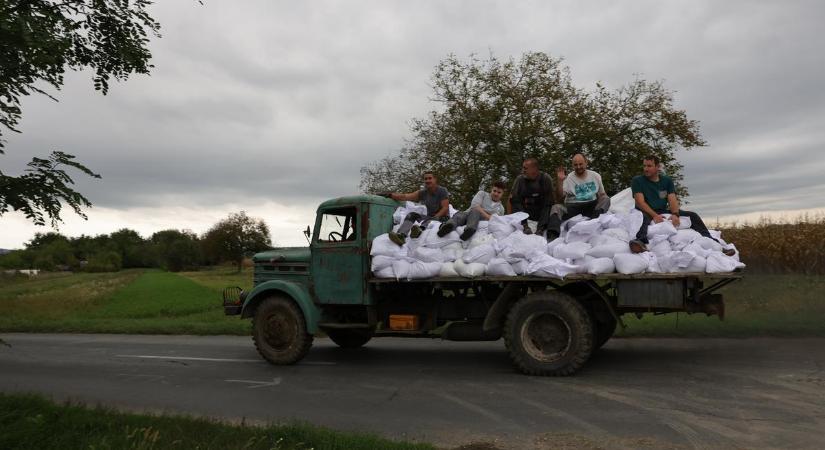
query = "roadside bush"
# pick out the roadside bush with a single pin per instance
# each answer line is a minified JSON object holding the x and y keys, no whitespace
{"x":103,"y":262}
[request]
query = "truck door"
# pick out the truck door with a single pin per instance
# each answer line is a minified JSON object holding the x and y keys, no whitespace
{"x":337,"y":262}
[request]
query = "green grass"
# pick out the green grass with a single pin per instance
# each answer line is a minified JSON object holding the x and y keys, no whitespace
{"x":757,"y":305}
{"x":31,"y":422}
{"x":149,"y":302}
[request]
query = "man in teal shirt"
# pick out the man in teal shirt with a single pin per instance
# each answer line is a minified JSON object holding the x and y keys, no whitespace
{"x":655,"y":195}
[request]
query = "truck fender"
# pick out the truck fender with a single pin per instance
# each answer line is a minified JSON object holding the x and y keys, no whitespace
{"x":498,"y":312}
{"x":297,"y":293}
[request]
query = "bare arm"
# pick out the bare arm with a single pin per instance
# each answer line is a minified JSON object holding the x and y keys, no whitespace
{"x":561,"y":175}
{"x":484,"y":214}
{"x":642,"y":204}
{"x":673,"y":203}
{"x":444,"y":211}
{"x":411,"y":197}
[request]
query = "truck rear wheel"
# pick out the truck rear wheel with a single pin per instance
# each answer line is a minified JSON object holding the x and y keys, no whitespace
{"x":280,"y":332}
{"x":548,"y":333}
{"x":350,"y":338}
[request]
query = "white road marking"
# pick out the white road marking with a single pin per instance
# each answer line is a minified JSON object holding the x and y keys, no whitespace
{"x":188,"y":358}
{"x":275,"y":381}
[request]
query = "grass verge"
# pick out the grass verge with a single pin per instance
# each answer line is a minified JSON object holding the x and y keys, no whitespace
{"x":31,"y":422}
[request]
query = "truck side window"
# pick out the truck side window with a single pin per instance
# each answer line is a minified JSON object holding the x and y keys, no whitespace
{"x":337,"y":225}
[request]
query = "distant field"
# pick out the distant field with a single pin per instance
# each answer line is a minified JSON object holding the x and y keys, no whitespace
{"x":189,"y":303}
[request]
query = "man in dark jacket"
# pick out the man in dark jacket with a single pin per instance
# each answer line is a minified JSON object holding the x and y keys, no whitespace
{"x":534,"y":194}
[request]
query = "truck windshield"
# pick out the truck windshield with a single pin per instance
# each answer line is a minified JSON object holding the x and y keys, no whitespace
{"x":337,"y":225}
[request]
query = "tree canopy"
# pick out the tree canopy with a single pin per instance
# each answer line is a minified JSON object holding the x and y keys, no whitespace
{"x":235,"y":237}
{"x":39,"y":41}
{"x":493,"y":114}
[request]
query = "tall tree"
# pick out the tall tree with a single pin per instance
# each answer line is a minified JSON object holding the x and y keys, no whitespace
{"x":235,"y":237}
{"x":39,"y":41}
{"x":493,"y":114}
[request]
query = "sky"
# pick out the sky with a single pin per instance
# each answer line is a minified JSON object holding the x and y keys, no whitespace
{"x":274,"y":106}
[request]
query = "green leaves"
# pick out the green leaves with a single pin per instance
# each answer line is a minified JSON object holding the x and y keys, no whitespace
{"x":493,"y":114}
{"x":41,"y":191}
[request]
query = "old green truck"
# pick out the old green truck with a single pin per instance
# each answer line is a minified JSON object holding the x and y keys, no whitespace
{"x":549,"y":326}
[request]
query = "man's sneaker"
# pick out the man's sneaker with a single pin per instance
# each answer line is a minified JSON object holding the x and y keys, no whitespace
{"x":637,"y":246}
{"x":398,"y":238}
{"x":445,"y":229}
{"x":415,"y":231}
{"x":468,"y":233}
{"x":728,"y":251}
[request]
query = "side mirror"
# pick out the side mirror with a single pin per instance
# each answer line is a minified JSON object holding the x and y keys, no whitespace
{"x":307,"y":233}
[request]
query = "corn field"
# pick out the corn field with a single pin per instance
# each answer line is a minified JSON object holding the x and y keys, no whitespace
{"x":772,"y":247}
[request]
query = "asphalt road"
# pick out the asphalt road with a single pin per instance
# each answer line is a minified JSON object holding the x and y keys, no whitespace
{"x":635,"y":393}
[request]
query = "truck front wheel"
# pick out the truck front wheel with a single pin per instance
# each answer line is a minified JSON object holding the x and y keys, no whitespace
{"x":548,"y":333}
{"x":350,"y":338}
{"x":280,"y":332}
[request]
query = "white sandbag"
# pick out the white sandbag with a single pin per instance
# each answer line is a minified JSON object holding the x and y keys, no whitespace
{"x":660,"y":248}
{"x":452,"y":254}
{"x":720,"y":263}
{"x":469,"y":270}
{"x":571,"y":237}
{"x":708,"y":243}
{"x":574,"y":250}
{"x":429,"y":238}
{"x":696,"y":265}
{"x":683,"y":238}
{"x":586,"y":227}
{"x":609,"y":220}
{"x":447,"y":270}
{"x":616,"y":233}
{"x":553,"y":244}
{"x":381,"y":262}
{"x":629,"y":263}
{"x":632,"y":221}
{"x":622,"y":202}
{"x":386,"y":272}
{"x":382,"y":245}
{"x":520,"y":245}
{"x":516,"y":218}
{"x":481,"y":254}
{"x":480,"y":238}
{"x":420,"y":270}
{"x":543,"y":265}
{"x":664,"y":227}
{"x":401,"y":269}
{"x":597,"y":266}
{"x":520,"y":267}
{"x":694,"y":247}
{"x":652,"y":262}
{"x":450,"y":210}
{"x":500,"y":267}
{"x":609,"y":250}
{"x":427,"y":254}
{"x":684,"y":221}
{"x":402,"y":211}
{"x":500,"y":227}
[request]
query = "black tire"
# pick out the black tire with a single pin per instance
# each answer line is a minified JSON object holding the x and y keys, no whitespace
{"x":350,"y":338}
{"x":548,"y":333}
{"x":280,"y":331}
{"x":604,"y":331}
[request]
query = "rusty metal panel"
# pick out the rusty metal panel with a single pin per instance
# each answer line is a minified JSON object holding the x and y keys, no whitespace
{"x":668,"y":294}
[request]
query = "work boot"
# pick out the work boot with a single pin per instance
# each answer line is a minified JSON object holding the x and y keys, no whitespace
{"x":445,"y":229}
{"x":637,"y":246}
{"x":728,"y":252}
{"x":398,"y":238}
{"x":527,"y":229}
{"x":552,"y":235}
{"x":468,"y":233}
{"x":415,"y":231}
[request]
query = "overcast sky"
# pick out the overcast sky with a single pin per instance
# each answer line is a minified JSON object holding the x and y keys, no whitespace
{"x":273,"y":106}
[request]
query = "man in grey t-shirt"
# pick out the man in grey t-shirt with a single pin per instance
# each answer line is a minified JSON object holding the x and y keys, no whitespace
{"x":583,"y":193}
{"x":483,"y":206}
{"x":437,"y":200}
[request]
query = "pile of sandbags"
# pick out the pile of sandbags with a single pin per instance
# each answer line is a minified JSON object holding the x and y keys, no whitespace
{"x":596,"y":246}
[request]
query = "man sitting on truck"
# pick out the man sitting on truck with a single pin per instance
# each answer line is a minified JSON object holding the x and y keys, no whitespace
{"x":583,"y":193}
{"x":533,"y":193}
{"x":483,"y":206}
{"x":437,"y":200}
{"x":655,"y":194}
